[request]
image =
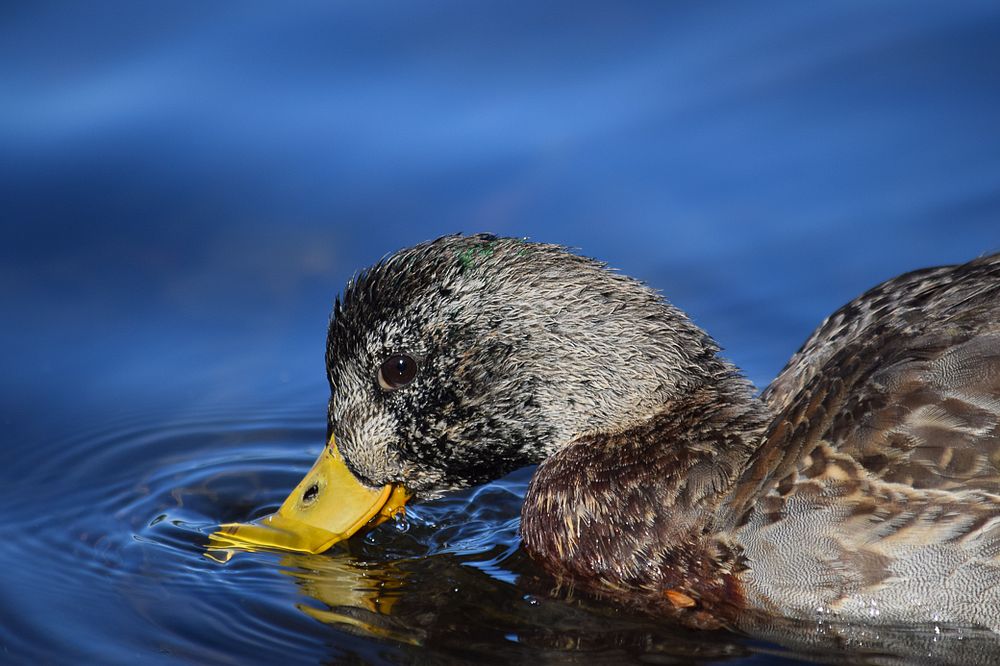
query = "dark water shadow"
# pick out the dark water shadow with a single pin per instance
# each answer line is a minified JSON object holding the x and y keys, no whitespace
{"x":454,"y":612}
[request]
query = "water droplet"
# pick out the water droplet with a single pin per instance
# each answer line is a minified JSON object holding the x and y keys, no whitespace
{"x":400,"y":522}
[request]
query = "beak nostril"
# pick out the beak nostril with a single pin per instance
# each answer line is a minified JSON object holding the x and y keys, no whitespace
{"x":310,"y":494}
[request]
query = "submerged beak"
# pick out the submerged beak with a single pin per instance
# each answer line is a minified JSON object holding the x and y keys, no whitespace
{"x":328,"y":505}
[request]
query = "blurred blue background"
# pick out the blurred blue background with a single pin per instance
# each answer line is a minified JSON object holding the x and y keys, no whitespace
{"x":185,"y":187}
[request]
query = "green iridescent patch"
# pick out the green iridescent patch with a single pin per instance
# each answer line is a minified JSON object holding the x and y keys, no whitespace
{"x":470,"y":257}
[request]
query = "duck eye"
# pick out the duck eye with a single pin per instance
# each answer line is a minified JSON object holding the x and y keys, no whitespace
{"x":397,"y":370}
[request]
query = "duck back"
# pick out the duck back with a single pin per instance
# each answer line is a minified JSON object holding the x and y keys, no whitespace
{"x":876,"y":490}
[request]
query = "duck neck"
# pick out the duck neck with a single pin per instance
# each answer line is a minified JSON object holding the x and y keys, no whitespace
{"x":637,"y":507}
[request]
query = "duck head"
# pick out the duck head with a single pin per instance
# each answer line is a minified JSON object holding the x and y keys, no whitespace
{"x":456,"y":361}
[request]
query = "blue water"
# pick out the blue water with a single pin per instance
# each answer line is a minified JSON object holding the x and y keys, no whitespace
{"x":184,"y":189}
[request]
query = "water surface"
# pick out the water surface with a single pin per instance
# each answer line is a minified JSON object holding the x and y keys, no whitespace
{"x":185,"y":189}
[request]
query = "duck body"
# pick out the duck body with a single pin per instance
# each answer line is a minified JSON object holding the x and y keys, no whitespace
{"x":862,"y":485}
{"x":627,"y":518}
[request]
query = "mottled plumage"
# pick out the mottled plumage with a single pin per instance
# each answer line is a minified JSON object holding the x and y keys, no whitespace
{"x":863,"y":483}
{"x":882,"y":464}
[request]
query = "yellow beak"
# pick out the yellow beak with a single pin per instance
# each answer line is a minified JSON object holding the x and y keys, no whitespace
{"x":328,"y":505}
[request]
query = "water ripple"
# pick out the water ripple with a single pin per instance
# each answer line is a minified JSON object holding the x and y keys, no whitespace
{"x":129,"y":542}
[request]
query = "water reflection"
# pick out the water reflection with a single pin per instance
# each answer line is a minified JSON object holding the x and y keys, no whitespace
{"x":352,"y":594}
{"x":847,"y":643}
{"x":457,"y":612}
{"x":450,"y":608}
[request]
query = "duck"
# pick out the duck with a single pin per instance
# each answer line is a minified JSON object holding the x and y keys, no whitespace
{"x":863,"y":484}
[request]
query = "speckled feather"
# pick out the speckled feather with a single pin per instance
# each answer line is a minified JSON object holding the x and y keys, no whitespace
{"x":861,"y":483}
{"x":522,"y":348}
{"x":631,"y":514}
{"x":882,"y":465}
